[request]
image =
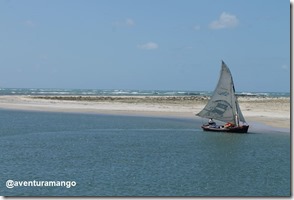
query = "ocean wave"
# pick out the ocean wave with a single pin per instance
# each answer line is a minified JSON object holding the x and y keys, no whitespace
{"x":263,"y":94}
{"x":121,"y":92}
{"x":250,"y":94}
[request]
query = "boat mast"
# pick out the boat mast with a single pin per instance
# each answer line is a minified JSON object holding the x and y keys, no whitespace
{"x":237,"y":120}
{"x":234,"y":99}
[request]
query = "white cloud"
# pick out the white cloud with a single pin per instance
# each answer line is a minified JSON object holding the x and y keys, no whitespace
{"x":148,"y":46}
{"x":225,"y":20}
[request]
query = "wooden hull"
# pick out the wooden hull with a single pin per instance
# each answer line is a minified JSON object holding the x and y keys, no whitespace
{"x":237,"y":129}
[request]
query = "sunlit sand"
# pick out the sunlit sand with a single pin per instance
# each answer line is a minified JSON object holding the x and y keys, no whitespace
{"x":270,"y":111}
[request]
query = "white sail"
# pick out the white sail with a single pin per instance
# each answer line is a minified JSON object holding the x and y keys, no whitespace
{"x":223,"y":104}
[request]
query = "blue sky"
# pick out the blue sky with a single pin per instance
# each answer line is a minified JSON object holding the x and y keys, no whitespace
{"x":146,"y":44}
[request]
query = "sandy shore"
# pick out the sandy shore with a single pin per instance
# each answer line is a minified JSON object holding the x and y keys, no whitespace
{"x":270,"y":111}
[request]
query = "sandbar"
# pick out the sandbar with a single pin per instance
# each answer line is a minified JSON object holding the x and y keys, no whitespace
{"x":271,"y":111}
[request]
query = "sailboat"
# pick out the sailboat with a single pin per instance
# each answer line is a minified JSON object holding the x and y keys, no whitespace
{"x":223,"y":106}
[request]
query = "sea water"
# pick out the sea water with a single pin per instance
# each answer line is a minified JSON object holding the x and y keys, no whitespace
{"x":104,"y":155}
{"x":116,"y":92}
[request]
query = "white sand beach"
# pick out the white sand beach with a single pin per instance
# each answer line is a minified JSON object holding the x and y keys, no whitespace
{"x":274,"y":112}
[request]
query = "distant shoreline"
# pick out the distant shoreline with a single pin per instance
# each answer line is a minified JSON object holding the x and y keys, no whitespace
{"x":272,"y":111}
{"x":126,"y":92}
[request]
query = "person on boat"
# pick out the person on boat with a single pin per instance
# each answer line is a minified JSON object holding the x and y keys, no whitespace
{"x":211,"y":122}
{"x":228,"y":125}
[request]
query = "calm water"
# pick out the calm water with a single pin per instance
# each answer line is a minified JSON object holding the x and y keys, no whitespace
{"x":138,"y":156}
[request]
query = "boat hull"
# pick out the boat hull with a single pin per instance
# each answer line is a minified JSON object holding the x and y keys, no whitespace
{"x":237,"y":129}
